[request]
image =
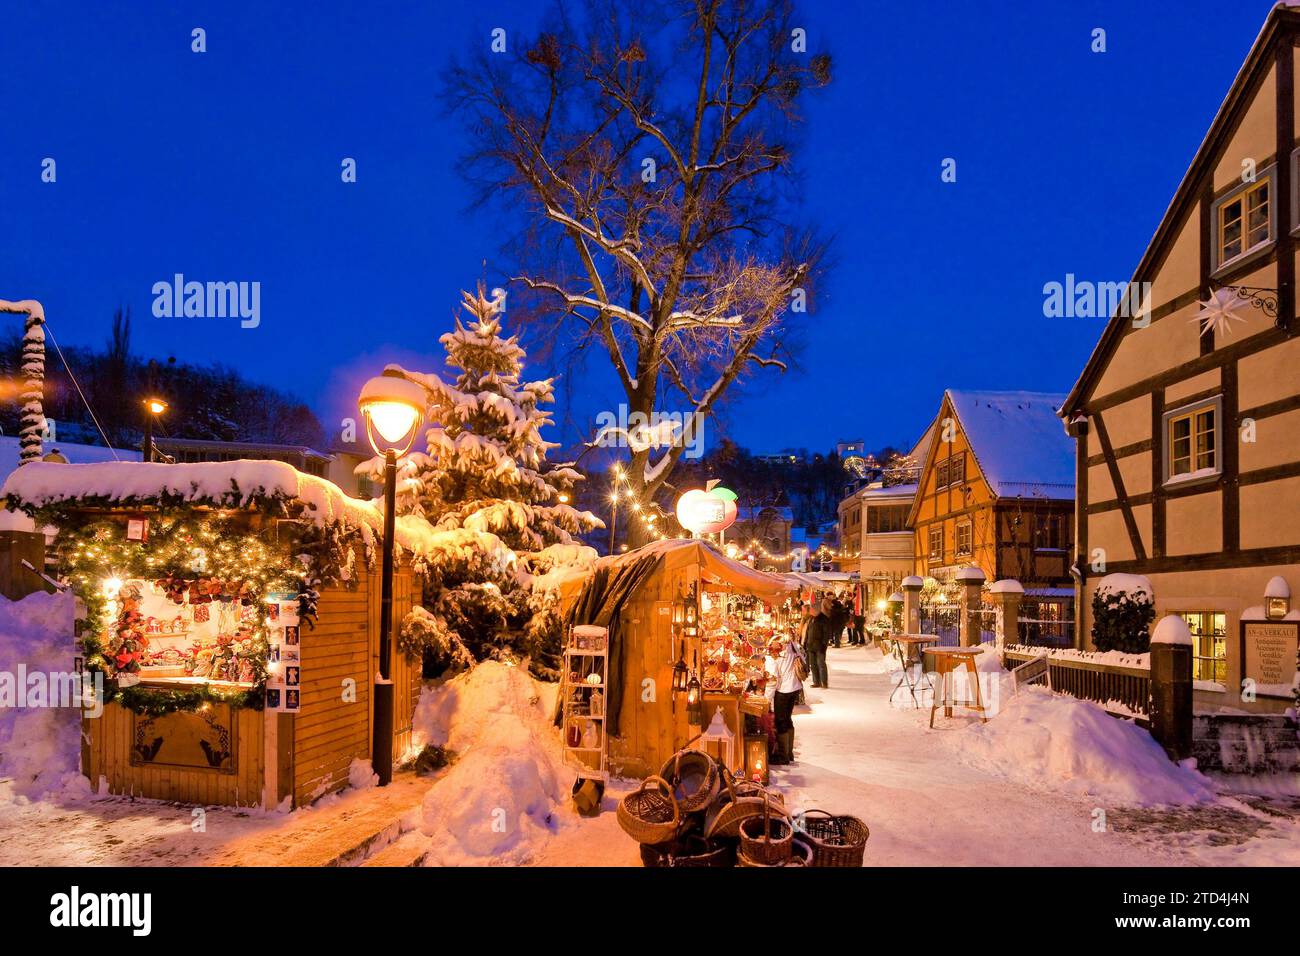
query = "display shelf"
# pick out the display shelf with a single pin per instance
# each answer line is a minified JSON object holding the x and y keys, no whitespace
{"x":579,"y":759}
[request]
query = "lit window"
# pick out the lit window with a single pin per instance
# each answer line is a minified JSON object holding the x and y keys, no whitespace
{"x":1209,"y":644}
{"x":936,"y":542}
{"x":964,"y":538}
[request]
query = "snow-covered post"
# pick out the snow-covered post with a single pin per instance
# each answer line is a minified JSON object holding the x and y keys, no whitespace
{"x":971,"y":582}
{"x":1006,"y":595}
{"x":912,"y":604}
{"x":33,"y":393}
{"x":1171,"y":686}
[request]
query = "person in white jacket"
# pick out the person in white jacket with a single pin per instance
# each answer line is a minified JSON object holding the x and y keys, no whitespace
{"x":783,"y":665}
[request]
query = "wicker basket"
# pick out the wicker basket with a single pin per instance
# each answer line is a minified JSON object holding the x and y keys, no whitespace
{"x":839,"y":841}
{"x":801,"y":854}
{"x":694,"y":778}
{"x":688,"y":851}
{"x":649,"y":816}
{"x":766,"y":839}
{"x":735,"y":803}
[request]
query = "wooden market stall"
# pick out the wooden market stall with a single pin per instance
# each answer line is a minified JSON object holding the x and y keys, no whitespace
{"x":676,"y":604}
{"x":232,"y":612}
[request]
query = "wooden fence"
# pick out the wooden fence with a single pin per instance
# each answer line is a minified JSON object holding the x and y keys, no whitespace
{"x":1122,"y":690}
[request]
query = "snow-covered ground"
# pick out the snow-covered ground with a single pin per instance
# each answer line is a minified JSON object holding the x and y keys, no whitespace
{"x":1048,"y":781}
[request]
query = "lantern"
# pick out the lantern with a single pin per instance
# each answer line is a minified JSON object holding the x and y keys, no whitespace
{"x":681,"y":677}
{"x":756,"y":757}
{"x":694,"y":697}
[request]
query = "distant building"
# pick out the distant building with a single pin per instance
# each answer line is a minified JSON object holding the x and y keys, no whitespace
{"x":996,"y":492}
{"x":787,"y":456}
{"x":305,"y":459}
{"x":875,"y":535}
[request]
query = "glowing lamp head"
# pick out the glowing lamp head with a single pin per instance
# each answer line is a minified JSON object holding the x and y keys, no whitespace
{"x":156,"y":406}
{"x":392,"y":406}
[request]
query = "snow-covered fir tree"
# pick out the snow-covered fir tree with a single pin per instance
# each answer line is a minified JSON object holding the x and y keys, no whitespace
{"x":484,"y":470}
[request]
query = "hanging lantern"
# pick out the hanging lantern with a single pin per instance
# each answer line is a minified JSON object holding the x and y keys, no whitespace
{"x":681,"y":676}
{"x":694,"y":697}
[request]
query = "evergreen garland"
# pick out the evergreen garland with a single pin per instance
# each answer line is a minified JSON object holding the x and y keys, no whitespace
{"x":185,"y":544}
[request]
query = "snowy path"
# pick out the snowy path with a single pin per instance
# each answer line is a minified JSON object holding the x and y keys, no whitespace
{"x":925,"y":796}
{"x":925,"y":807}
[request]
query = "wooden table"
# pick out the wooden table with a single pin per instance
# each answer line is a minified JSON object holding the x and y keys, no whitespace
{"x":947,"y":660}
{"x":907,"y":648}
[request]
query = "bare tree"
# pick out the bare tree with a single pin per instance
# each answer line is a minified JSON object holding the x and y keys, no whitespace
{"x":650,"y":146}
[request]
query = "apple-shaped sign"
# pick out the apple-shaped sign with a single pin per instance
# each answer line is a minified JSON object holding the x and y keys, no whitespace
{"x":707,"y":512}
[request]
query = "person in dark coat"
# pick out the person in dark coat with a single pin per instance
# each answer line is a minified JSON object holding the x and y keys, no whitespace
{"x":857,"y":631}
{"x":817,"y":637}
{"x":839,"y":621}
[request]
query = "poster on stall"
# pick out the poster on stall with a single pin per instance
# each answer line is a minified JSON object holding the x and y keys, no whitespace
{"x":283,"y":654}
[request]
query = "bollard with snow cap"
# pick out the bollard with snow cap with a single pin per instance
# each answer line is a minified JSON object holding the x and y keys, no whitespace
{"x":1171,"y":686}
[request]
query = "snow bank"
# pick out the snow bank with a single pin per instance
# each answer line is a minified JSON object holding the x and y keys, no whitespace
{"x":40,"y":747}
{"x":1060,"y":743}
{"x":507,"y":790}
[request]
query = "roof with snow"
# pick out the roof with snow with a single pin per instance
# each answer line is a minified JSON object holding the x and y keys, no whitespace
{"x":235,"y":485}
{"x":673,"y":553}
{"x":1018,"y":441}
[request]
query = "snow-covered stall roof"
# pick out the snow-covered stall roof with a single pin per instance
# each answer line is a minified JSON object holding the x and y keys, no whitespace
{"x":674,"y":553}
{"x":1018,"y":441}
{"x":236,"y":485}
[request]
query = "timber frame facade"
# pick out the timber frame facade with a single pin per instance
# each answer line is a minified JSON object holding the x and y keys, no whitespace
{"x":1188,"y":437}
{"x":961,"y":521}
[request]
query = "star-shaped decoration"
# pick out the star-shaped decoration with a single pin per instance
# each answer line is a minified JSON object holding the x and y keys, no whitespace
{"x":1223,"y":308}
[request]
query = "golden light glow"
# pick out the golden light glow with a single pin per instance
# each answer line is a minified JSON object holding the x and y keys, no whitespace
{"x":391,"y":419}
{"x":392,"y":406}
{"x":155,"y":405}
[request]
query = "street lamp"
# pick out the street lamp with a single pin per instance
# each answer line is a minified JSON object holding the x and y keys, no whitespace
{"x":153,"y":407}
{"x":392,"y":406}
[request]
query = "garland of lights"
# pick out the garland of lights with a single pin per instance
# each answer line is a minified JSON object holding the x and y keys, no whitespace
{"x":189,"y":554}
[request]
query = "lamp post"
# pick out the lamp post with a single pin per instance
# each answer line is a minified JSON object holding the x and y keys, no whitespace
{"x":153,"y":407}
{"x":392,"y":406}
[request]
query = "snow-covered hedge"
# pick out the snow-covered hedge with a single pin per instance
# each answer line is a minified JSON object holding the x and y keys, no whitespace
{"x":1123,"y":608}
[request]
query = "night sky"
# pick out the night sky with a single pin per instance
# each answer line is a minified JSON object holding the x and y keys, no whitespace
{"x":225,"y":166}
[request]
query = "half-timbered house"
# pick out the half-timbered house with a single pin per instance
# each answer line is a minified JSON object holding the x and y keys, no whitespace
{"x":1187,"y":415}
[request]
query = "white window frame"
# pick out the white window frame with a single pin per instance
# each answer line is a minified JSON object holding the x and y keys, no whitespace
{"x":1269,"y":173}
{"x":969,"y":527}
{"x":1220,"y":436}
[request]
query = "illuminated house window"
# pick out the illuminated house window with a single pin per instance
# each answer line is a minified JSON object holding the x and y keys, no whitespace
{"x":1209,"y":645}
{"x":936,"y":542}
{"x":964,"y":538}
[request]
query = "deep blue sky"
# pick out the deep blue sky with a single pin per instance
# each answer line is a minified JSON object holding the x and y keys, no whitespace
{"x":225,"y":166}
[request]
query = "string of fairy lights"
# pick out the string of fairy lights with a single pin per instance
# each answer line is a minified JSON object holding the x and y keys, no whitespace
{"x":653,"y":519}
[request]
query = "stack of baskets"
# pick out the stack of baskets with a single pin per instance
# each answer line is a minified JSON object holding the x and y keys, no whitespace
{"x":695,"y":814}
